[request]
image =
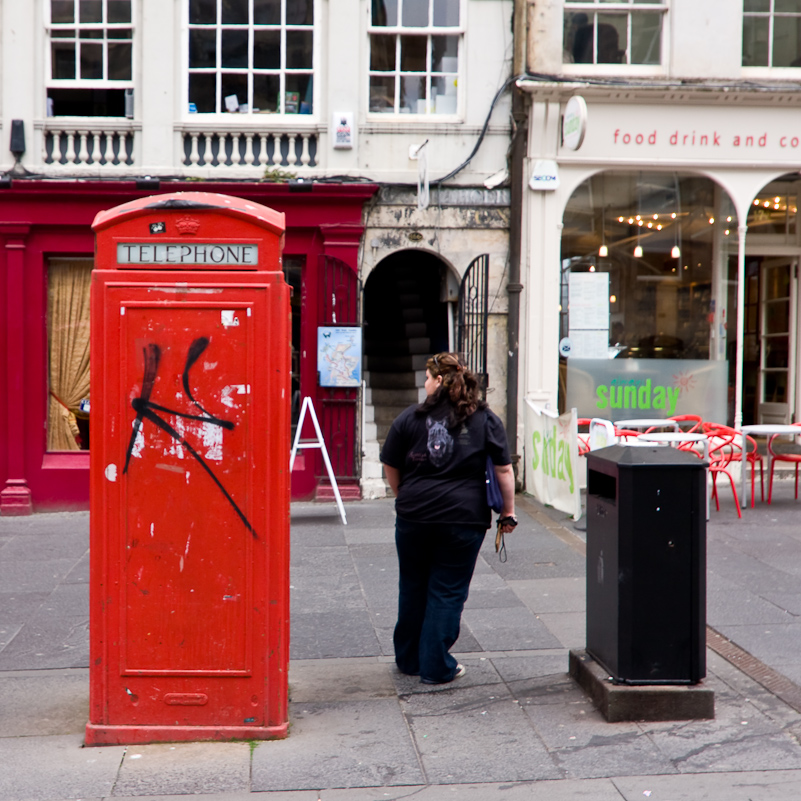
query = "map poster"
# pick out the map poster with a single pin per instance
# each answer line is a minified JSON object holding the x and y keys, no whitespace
{"x":339,"y":356}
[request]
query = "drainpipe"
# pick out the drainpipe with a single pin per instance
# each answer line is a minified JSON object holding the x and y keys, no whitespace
{"x":514,"y":287}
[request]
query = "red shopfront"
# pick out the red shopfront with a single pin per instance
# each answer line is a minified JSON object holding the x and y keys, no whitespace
{"x":46,"y":255}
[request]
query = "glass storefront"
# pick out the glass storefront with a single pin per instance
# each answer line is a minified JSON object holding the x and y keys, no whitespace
{"x":646,"y":297}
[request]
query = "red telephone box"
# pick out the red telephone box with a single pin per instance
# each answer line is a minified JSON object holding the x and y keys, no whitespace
{"x":189,"y":587}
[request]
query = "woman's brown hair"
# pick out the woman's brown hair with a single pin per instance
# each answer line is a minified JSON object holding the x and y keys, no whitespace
{"x":460,"y":388}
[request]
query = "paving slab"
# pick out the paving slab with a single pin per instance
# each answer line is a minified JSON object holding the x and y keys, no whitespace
{"x":43,"y":702}
{"x":329,"y":680}
{"x":476,"y":733}
{"x":149,"y":770}
{"x":57,"y":767}
{"x":358,"y":744}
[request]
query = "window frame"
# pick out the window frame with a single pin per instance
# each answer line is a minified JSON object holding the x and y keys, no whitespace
{"x":88,"y":83}
{"x":764,"y":71}
{"x":628,"y":7}
{"x":429,"y":74}
{"x":282,"y":71}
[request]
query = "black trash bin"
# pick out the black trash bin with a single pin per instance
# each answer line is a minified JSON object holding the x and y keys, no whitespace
{"x":646,"y":564}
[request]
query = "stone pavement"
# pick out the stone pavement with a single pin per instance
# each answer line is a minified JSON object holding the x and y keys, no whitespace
{"x":515,"y":727}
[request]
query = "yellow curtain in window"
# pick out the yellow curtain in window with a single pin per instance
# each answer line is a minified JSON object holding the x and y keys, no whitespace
{"x":68,"y":345}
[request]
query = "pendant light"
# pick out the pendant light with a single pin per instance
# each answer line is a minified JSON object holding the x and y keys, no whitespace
{"x":675,"y":251}
{"x":603,"y":251}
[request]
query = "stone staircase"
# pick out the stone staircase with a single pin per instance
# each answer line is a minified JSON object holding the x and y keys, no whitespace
{"x":396,"y":351}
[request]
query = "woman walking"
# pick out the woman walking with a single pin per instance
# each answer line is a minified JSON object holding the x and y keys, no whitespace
{"x":435,"y":458}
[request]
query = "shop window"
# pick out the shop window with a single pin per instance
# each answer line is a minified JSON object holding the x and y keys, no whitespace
{"x":90,"y":57}
{"x":69,"y":281}
{"x":643,"y":301}
{"x":293,"y":273}
{"x":630,"y":34}
{"x":771,"y":33}
{"x":414,"y":56}
{"x":251,"y":56}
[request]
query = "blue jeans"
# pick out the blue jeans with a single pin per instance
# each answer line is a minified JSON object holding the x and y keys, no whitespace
{"x":436,"y":564}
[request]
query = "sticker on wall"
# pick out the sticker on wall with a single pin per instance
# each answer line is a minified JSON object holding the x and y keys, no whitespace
{"x":229,"y":318}
{"x":545,"y":175}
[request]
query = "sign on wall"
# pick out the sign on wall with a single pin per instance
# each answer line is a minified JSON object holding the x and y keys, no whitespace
{"x":552,"y":458}
{"x":616,"y":389}
{"x":339,"y":356}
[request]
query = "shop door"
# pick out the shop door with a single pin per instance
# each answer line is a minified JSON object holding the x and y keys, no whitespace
{"x":339,"y":304}
{"x":777,"y":316}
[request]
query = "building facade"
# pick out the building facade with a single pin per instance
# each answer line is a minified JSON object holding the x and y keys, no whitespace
{"x":380,"y":128}
{"x":661,"y":234}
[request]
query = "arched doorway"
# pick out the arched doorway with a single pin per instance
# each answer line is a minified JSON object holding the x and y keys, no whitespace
{"x":406,"y":318}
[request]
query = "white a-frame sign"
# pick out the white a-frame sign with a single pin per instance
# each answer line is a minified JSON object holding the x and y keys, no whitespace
{"x":315,"y":443}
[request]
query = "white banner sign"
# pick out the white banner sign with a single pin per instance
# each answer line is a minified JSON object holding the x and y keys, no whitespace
{"x":552,"y":458}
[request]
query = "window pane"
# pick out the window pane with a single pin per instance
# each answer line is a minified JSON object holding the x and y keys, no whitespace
{"x":787,"y":6}
{"x":233,"y":84}
{"x":63,"y":54}
{"x":385,"y":12}
{"x":266,"y":50}
{"x":413,"y":53}
{"x":382,"y":53}
{"x":91,"y":61}
{"x":776,"y":353}
{"x":446,"y":13}
{"x":300,"y":85}
{"x":755,"y":41}
{"x":611,"y":34}
{"x":202,"y":92}
{"x":119,"y":33}
{"x":777,"y":317}
{"x":415,"y":13}
{"x":96,"y":34}
{"x":119,"y":10}
{"x":119,"y":61}
{"x":234,"y":48}
{"x":382,"y":94}
{"x":786,"y":51}
{"x":267,"y":12}
{"x":63,"y":33}
{"x":299,"y":50}
{"x":579,"y":38}
{"x":756,"y":5}
{"x":646,"y":38}
{"x":444,"y":93}
{"x":413,"y":94}
{"x":265,"y":92}
{"x":234,"y":12}
{"x":444,"y":53}
{"x":300,"y":12}
{"x":202,"y":48}
{"x":202,"y":12}
{"x":62,"y":11}
{"x":91,"y":10}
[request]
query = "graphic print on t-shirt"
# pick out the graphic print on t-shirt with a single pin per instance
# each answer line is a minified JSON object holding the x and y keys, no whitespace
{"x":440,"y":443}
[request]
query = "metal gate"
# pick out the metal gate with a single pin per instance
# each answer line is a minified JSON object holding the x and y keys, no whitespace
{"x":473,"y":313}
{"x":339,"y":304}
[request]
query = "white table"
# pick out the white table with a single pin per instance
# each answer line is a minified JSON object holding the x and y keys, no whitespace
{"x":647,"y":422}
{"x":761,"y":430}
{"x":675,"y":438}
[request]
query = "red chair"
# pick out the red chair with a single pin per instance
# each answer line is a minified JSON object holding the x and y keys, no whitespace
{"x":693,"y":420}
{"x":778,"y":456}
{"x":584,"y":436}
{"x":753,"y":456}
{"x":721,"y":452}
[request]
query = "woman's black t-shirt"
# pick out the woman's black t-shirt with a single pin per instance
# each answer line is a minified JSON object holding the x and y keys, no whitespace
{"x":442,"y":471}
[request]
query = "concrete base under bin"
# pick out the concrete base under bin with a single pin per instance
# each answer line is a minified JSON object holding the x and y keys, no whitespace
{"x":618,"y":702}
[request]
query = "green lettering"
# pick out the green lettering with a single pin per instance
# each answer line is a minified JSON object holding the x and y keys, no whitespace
{"x":569,"y":468}
{"x":644,"y":395}
{"x":673,"y":397}
{"x":535,"y":459}
{"x":560,"y":473}
{"x":630,"y":397}
{"x":616,"y":397}
{"x":601,"y":393}
{"x":659,"y":398}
